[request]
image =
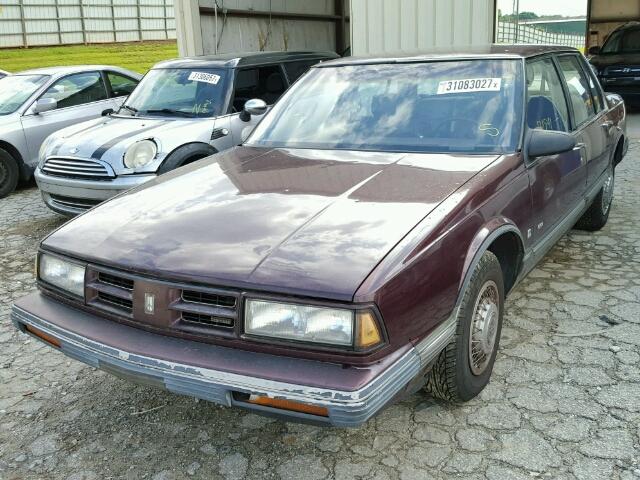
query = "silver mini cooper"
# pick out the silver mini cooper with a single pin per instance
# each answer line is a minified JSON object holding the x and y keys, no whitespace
{"x":182,"y":110}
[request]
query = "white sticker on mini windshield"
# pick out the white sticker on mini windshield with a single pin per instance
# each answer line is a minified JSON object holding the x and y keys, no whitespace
{"x":469,"y":85}
{"x":211,"y":78}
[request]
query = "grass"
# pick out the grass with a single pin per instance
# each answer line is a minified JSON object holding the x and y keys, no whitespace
{"x":138,"y":57}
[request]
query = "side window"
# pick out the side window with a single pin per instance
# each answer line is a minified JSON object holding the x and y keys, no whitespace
{"x":546,"y":103}
{"x":598,"y":101}
{"x":266,"y":83}
{"x":296,"y":69}
{"x":578,"y":87}
{"x":77,"y":89}
{"x":121,"y":85}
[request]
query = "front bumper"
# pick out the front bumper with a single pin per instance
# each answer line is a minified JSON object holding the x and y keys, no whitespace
{"x":72,"y":196}
{"x":217,"y":374}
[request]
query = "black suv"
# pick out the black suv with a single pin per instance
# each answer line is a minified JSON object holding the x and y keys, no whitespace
{"x":618,"y":63}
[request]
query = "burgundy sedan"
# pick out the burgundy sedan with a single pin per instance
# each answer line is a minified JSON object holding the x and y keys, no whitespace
{"x":356,"y":248}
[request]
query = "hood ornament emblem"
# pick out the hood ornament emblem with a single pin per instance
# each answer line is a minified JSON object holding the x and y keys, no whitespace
{"x":149,"y":303}
{"x":74,"y":150}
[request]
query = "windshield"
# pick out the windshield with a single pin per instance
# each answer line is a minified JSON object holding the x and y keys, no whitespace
{"x":16,"y":89}
{"x":179,"y":92}
{"x":445,"y":106}
{"x":623,"y":41}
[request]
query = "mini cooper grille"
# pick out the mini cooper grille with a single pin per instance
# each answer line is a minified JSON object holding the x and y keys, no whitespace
{"x":122,"y":303}
{"x":208,"y":299}
{"x":76,"y":168}
{"x":74,"y":203}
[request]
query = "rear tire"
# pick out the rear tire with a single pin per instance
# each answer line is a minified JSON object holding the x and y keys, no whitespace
{"x":9,"y":173}
{"x":464,"y":367}
{"x":598,"y":213}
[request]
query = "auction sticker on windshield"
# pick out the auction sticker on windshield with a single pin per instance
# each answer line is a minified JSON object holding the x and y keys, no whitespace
{"x":469,"y":85}
{"x":211,"y":78}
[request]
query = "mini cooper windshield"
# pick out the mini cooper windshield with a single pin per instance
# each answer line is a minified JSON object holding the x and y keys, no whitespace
{"x":178,"y":92}
{"x":16,"y":89}
{"x":439,"y":106}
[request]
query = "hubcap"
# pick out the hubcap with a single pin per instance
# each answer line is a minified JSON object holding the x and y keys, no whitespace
{"x":607,"y":192}
{"x":484,"y":327}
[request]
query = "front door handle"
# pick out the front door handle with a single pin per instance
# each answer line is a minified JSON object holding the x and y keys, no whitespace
{"x":607,"y":125}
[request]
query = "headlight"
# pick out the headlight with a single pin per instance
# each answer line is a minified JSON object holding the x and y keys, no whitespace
{"x":140,"y":154}
{"x":333,"y":326}
{"x":66,"y":275}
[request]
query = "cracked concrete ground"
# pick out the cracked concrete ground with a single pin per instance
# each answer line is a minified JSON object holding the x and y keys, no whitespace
{"x":563,"y":403}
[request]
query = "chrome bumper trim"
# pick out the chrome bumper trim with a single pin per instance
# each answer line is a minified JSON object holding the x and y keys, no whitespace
{"x":346,"y":408}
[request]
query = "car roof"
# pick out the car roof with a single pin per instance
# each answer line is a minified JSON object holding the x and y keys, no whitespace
{"x":234,"y":60}
{"x":633,"y":25}
{"x":58,"y":71}
{"x":488,"y":51}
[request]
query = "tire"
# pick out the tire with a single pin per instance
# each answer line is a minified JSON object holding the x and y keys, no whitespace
{"x":454,"y":376}
{"x":597,"y":214}
{"x":185,"y":155}
{"x":9,"y":173}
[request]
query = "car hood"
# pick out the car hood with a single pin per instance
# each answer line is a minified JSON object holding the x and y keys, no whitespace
{"x":107,"y":139}
{"x":305,"y":222}
{"x":627,"y":59}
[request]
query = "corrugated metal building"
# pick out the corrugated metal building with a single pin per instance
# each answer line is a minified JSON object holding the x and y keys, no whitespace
{"x":368,"y":26}
{"x":59,"y":22}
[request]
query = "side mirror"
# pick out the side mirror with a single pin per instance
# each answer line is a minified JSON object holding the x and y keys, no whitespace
{"x":549,"y":142}
{"x":595,"y":50}
{"x":255,"y":106}
{"x":106,"y":112}
{"x":44,"y":105}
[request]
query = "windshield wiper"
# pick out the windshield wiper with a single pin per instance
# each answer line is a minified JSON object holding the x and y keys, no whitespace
{"x":127,"y":107}
{"x":170,"y":111}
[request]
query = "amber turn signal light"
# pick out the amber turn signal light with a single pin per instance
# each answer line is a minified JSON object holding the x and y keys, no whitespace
{"x":51,"y":340}
{"x":367,"y":330}
{"x":283,"y":404}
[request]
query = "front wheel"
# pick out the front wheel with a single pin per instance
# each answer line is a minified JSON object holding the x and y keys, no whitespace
{"x":464,"y":367}
{"x":598,"y":213}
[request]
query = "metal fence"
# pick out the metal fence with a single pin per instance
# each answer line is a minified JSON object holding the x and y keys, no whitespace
{"x":26,"y":23}
{"x":510,"y":32}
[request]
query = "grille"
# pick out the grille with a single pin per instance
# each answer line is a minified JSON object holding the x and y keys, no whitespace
{"x":115,"y":281}
{"x":206,"y":298}
{"x":76,"y":168}
{"x":176,"y":306}
{"x":206,"y":320}
{"x":75,"y":203}
{"x":122,"y":303}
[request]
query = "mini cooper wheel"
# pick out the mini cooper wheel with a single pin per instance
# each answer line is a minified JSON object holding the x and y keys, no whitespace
{"x":598,"y":213}
{"x":9,"y":173}
{"x":464,"y":367}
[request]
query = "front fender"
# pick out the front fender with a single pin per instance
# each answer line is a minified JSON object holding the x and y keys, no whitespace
{"x":481,"y":242}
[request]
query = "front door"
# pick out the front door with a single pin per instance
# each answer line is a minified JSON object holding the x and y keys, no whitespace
{"x":557,"y":182}
{"x":80,"y":97}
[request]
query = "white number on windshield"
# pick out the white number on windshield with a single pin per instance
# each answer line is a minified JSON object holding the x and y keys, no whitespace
{"x":469,"y":85}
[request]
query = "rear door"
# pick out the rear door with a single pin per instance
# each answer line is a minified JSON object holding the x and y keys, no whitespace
{"x":80,"y":96}
{"x":589,"y":120}
{"x":557,"y":182}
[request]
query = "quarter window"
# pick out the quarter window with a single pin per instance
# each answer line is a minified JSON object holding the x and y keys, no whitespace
{"x":265,"y":83}
{"x":77,"y":89}
{"x":296,"y":69}
{"x":578,"y":87}
{"x":546,"y":104}
{"x":121,"y":85}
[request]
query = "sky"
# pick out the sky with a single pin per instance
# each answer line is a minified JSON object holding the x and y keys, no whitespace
{"x":568,"y":8}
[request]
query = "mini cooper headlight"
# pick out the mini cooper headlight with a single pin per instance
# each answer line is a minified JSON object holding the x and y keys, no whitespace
{"x":64,"y":274}
{"x":306,"y":323}
{"x":140,"y":154}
